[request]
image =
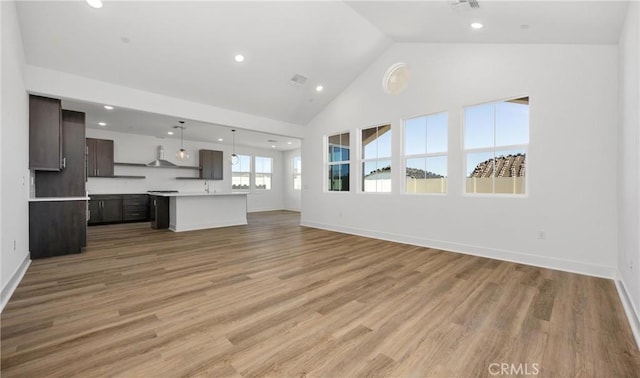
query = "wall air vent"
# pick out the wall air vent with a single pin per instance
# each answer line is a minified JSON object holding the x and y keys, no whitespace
{"x":298,"y":79}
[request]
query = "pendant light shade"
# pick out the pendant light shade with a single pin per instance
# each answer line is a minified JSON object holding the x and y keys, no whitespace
{"x":182,"y":154}
{"x":234,"y":159}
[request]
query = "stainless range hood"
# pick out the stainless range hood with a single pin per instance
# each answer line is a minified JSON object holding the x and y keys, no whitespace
{"x":160,"y":161}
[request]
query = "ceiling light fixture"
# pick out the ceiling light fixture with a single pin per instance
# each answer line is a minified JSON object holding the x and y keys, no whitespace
{"x":108,"y":107}
{"x":102,"y":124}
{"x":170,"y":132}
{"x":234,"y":159}
{"x":182,"y":154}
{"x":319,"y":88}
{"x":95,"y":3}
{"x":220,"y":140}
{"x":273,"y":146}
{"x":289,"y":142}
{"x":239,"y":58}
{"x":476,"y":25}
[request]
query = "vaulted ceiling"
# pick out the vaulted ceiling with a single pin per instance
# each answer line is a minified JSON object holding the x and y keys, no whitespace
{"x":186,"y":49}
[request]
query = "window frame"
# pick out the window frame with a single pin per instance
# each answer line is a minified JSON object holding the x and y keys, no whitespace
{"x":248,"y":190}
{"x":405,"y":156}
{"x":295,"y":174}
{"x":493,"y":149}
{"x":328,"y":164}
{"x":361,"y":160}
{"x":254,"y":187}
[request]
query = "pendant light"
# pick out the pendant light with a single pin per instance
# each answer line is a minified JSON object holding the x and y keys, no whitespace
{"x":234,"y":159}
{"x":182,"y":154}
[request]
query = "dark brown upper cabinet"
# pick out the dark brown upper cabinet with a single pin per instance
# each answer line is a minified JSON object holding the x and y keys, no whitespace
{"x":211,"y":165}
{"x":45,"y":133}
{"x":99,"y":157}
{"x":70,"y":181}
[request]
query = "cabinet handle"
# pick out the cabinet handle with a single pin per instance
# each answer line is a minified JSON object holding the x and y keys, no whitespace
{"x":64,"y":162}
{"x":98,"y":172}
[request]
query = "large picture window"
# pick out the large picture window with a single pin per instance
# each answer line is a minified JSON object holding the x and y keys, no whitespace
{"x":496,"y":140}
{"x":376,"y":159}
{"x":338,"y":158}
{"x":264,"y":170}
{"x":425,"y":149}
{"x":241,"y":174}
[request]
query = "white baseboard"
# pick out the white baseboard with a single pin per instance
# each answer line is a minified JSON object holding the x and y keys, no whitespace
{"x":13,"y":282}
{"x":516,"y":257}
{"x":630,"y":309}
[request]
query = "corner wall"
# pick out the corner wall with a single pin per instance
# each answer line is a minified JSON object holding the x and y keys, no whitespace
{"x":628,"y":172}
{"x":570,"y":168}
{"x":14,"y":109}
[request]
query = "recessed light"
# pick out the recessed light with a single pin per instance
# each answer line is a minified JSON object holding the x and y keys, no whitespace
{"x":289,"y":142}
{"x":95,"y":3}
{"x":108,"y":107}
{"x":319,"y":88}
{"x":476,"y":25}
{"x":170,"y":132}
{"x":220,"y":140}
{"x":102,"y":124}
{"x":239,"y":58}
{"x":273,"y":146}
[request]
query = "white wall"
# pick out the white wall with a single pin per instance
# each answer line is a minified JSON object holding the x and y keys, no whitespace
{"x":131,"y":148}
{"x":58,"y":84}
{"x":14,"y":158}
{"x":292,"y":198}
{"x":573,"y":116}
{"x":629,"y":161}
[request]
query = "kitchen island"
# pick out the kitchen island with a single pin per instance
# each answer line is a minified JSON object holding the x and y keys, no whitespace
{"x":201,"y":210}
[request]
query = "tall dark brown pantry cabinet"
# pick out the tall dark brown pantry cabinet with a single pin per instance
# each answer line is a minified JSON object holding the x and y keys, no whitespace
{"x":45,"y":131}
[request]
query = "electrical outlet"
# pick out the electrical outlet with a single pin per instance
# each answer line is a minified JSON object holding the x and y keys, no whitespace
{"x":542,"y":235}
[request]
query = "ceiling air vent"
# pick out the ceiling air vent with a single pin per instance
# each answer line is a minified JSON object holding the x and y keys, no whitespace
{"x":298,"y":79}
{"x":461,"y":5}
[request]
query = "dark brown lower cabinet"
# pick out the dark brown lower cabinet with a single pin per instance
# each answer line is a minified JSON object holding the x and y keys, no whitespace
{"x":105,"y":209}
{"x":118,"y":208}
{"x":159,"y":212}
{"x":135,"y":207}
{"x":57,"y":228}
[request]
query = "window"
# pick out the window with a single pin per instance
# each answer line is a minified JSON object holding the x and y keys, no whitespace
{"x":241,"y":173}
{"x":496,"y":140}
{"x":263,"y":173}
{"x":425,"y":149}
{"x":338,"y":157}
{"x":296,"y":166}
{"x":376,"y":159}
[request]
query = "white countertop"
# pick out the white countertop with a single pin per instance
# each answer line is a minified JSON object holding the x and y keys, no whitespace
{"x":57,"y":199}
{"x":194,"y":194}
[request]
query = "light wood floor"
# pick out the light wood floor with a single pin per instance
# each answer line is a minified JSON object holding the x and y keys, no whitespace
{"x":273,"y":298}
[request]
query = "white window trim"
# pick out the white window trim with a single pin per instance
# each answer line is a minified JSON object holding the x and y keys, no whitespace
{"x":255,"y":172}
{"x":403,"y":182}
{"x":327,"y":163}
{"x":361,"y":160}
{"x":250,"y":176}
{"x":294,"y":174}
{"x":525,"y":147}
